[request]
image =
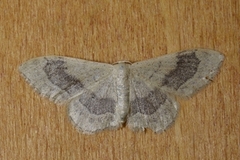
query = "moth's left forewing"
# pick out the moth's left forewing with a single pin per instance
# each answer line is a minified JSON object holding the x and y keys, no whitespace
{"x":62,"y":78}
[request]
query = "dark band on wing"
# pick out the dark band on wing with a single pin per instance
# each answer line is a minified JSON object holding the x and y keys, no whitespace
{"x":55,"y":71}
{"x":149,"y":104}
{"x":97,"y":105}
{"x":187,"y":65}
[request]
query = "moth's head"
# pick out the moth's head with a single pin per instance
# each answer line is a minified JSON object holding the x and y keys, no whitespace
{"x":122,"y":62}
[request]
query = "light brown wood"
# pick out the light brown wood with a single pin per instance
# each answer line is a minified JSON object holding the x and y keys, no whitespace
{"x":32,"y":127}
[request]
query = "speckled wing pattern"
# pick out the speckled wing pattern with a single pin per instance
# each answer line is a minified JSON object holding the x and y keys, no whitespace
{"x":155,"y":82}
{"x":103,"y":96}
{"x":87,"y":87}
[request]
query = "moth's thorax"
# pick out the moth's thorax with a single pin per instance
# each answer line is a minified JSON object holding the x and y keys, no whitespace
{"x":121,"y":72}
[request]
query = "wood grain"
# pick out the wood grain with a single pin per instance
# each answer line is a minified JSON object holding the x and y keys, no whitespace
{"x":32,"y":127}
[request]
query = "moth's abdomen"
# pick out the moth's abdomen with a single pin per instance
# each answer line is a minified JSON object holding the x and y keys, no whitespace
{"x":121,"y":73}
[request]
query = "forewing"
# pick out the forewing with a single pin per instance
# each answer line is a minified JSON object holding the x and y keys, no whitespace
{"x":62,"y":78}
{"x":182,"y":73}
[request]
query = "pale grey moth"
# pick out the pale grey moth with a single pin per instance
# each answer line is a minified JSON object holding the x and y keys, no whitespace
{"x":103,"y":96}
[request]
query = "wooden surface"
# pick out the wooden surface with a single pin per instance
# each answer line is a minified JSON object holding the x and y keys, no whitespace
{"x":32,"y":127}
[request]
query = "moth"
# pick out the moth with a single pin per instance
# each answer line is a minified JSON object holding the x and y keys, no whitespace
{"x":102,"y":96}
